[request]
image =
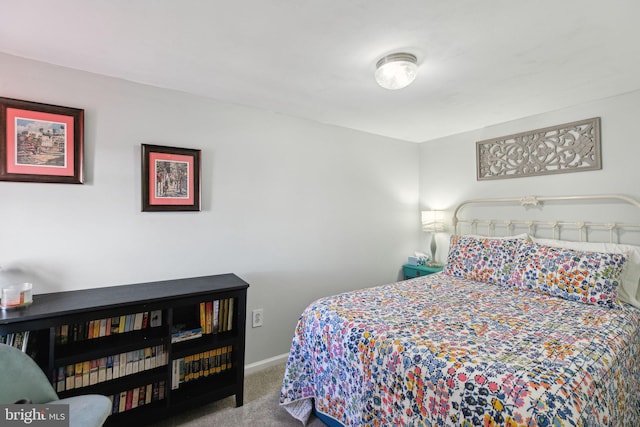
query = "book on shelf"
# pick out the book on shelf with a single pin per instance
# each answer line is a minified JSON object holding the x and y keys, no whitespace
{"x":216,"y":316}
{"x":122,"y":401}
{"x":64,"y":334}
{"x":109,"y":369}
{"x":230,"y":315}
{"x":102,"y":369}
{"x":145,"y":320}
{"x":208,"y":317}
{"x":155,"y":318}
{"x":60,"y":381}
{"x":115,"y":402}
{"x":78,"y":375}
{"x":91,"y":372}
{"x":135,"y":397}
{"x":148,"y":394}
{"x":203,"y":323}
{"x":147,"y":359}
{"x":142,"y":395}
{"x":128,"y":370}
{"x":96,"y":329}
{"x":141,"y":360}
{"x":123,"y":364}
{"x":70,"y":377}
{"x":116,"y":367}
{"x":86,"y":365}
{"x":127,"y":400}
{"x":122,"y":324}
{"x":115,"y":325}
{"x":19,"y":340}
{"x":221,"y":315}
{"x":137,"y":321}
{"x":155,"y":394}
{"x":107,"y":326}
{"x":198,"y":365}
{"x":135,"y":361}
{"x":184,"y":335}
{"x":102,"y":328}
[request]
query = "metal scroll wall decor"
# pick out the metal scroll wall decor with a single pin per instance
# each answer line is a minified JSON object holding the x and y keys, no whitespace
{"x":571,"y":147}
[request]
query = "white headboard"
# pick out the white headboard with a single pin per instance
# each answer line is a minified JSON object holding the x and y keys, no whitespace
{"x":599,"y":217}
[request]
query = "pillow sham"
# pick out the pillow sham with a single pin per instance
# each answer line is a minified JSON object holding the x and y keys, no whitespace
{"x":483,"y":259}
{"x":630,"y":283}
{"x":589,"y":277}
{"x":523,"y":236}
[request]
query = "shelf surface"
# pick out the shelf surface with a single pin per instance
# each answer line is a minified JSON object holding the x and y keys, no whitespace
{"x":80,"y":301}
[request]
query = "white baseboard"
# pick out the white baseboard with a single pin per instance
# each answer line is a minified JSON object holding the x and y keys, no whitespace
{"x":260,"y":365}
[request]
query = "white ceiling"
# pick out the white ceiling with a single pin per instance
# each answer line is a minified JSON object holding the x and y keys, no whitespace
{"x":481,"y":62}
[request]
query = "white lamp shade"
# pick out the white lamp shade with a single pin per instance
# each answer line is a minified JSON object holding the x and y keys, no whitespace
{"x":433,"y":221}
{"x":396,"y":71}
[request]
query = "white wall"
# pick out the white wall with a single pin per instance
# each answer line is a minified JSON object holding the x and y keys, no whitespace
{"x":448,"y":165}
{"x":298,"y":209}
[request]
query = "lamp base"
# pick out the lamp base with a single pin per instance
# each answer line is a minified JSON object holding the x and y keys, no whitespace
{"x":433,"y":264}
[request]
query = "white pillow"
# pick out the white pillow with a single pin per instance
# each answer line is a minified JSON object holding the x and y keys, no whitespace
{"x":628,"y":291}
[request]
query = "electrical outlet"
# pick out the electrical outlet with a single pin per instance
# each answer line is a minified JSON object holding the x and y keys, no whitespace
{"x":257,"y":317}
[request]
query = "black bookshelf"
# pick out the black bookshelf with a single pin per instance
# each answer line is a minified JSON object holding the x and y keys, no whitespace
{"x":58,"y":324}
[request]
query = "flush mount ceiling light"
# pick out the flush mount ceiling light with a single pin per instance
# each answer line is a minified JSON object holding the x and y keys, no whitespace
{"x":396,"y":71}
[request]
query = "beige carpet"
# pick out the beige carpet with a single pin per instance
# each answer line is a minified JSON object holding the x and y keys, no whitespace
{"x":260,"y":409}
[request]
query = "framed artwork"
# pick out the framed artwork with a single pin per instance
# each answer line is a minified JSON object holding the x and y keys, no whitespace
{"x":170,"y":179}
{"x":41,"y":142}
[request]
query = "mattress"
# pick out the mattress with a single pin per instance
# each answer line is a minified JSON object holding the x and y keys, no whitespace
{"x":438,"y":351}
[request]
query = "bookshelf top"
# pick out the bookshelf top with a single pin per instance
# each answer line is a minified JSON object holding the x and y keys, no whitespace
{"x":79,"y":301}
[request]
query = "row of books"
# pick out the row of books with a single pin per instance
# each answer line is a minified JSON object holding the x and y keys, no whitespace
{"x":65,"y":334}
{"x":139,"y":396}
{"x":18,"y":340}
{"x":90,"y":372}
{"x":199,"y":365}
{"x":216,"y":316}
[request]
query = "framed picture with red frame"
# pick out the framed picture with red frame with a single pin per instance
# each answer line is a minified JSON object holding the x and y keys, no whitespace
{"x":170,"y":179}
{"x":41,"y":142}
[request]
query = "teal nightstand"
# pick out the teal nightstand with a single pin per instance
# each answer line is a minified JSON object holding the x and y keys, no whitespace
{"x":411,"y":271}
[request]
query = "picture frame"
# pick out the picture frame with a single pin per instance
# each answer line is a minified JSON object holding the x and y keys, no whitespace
{"x":41,"y":142}
{"x":170,"y":178}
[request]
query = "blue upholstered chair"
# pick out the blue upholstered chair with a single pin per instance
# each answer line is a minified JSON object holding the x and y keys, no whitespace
{"x":22,"y":378}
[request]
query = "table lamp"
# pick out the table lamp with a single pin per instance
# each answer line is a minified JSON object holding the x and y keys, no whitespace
{"x":433,"y":222}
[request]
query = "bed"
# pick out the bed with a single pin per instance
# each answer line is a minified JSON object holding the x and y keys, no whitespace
{"x":519,"y":330}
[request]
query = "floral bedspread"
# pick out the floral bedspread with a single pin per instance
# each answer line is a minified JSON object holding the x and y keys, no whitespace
{"x":443,"y":351}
